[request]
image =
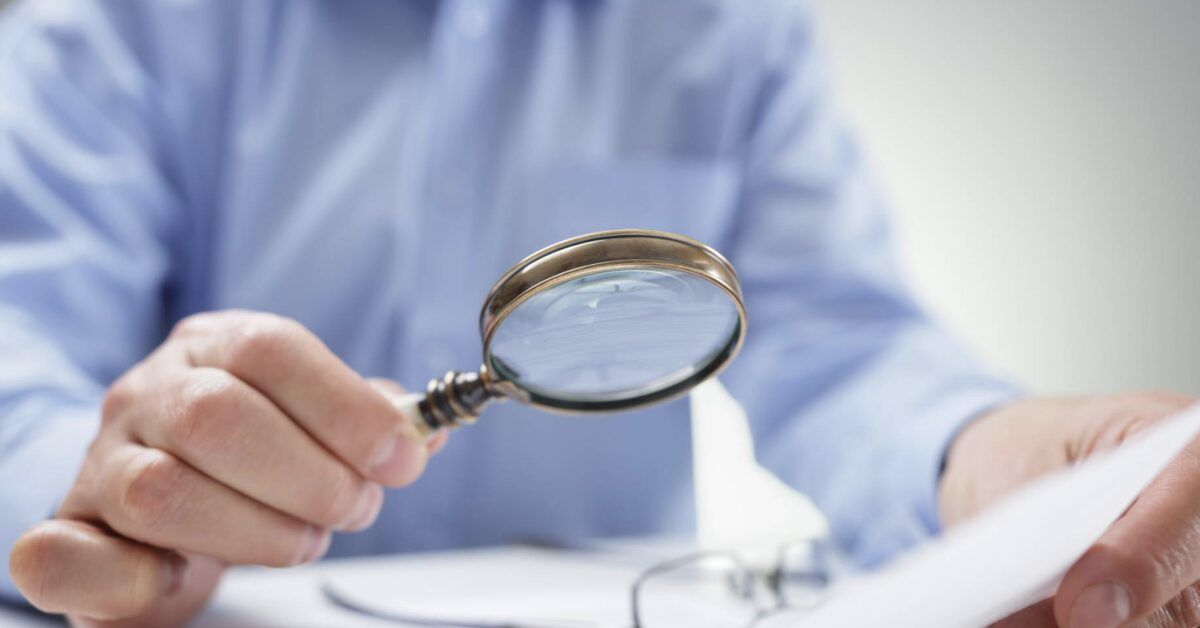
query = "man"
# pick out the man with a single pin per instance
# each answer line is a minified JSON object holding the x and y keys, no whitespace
{"x":172,"y":172}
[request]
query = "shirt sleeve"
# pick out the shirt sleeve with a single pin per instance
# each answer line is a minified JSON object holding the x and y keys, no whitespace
{"x":86,"y":215}
{"x":852,"y":392}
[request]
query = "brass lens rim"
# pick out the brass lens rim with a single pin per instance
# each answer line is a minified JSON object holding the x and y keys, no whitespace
{"x":605,"y":251}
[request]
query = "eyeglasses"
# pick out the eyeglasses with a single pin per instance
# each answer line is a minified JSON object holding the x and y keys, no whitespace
{"x":722,"y":590}
{"x":702,"y":590}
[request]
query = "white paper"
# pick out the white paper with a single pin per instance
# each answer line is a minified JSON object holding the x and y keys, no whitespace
{"x":527,"y":587}
{"x":1012,"y":555}
{"x":1005,"y":559}
{"x":519,"y":585}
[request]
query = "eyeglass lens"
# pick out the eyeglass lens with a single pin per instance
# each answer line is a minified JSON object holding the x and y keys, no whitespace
{"x":720,"y":591}
{"x":709,"y":592}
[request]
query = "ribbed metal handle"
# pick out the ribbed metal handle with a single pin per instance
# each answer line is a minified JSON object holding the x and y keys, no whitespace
{"x":448,"y":402}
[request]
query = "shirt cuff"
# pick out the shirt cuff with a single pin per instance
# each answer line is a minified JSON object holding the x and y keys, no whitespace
{"x":908,"y":513}
{"x":934,"y":439}
{"x":37,"y":468}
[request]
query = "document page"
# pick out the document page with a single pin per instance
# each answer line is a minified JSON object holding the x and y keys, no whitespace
{"x":1005,"y":559}
{"x":1011,"y":555}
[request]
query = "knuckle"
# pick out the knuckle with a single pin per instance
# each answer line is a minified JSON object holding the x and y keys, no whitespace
{"x":206,"y":404}
{"x":1167,"y":565}
{"x":119,"y":399}
{"x":1185,"y":607}
{"x":192,"y":325}
{"x":1149,"y":571}
{"x":263,"y":341}
{"x":1166,"y":616}
{"x":1158,"y":618}
{"x":150,"y":490}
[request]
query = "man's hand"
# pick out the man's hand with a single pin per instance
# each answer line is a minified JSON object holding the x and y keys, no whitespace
{"x":1143,"y":572}
{"x":241,"y":439}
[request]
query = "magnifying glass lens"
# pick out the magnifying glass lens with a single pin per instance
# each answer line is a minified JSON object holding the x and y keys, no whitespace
{"x":614,"y":335}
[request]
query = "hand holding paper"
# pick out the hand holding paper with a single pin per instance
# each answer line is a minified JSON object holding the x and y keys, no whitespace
{"x":1017,"y":553}
{"x":1144,"y":560}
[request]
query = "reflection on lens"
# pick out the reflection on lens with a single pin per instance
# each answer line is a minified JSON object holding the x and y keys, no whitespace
{"x":712,"y":592}
{"x":615,"y":334}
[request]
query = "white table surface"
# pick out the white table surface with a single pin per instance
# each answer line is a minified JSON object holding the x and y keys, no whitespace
{"x":254,"y":597}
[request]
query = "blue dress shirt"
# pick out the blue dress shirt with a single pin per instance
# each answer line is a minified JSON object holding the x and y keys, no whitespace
{"x":370,"y":168}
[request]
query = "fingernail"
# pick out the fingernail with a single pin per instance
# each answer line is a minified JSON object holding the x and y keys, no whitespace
{"x":368,"y":507}
{"x":1104,"y":605}
{"x":393,"y":459}
{"x":177,"y":574}
{"x":383,"y":453}
{"x":316,"y":542}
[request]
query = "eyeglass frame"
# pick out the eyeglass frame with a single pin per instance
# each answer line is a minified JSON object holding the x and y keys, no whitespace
{"x":772,"y":578}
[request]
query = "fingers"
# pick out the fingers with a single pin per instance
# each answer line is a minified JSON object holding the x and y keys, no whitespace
{"x":242,"y":439}
{"x":394,"y":393}
{"x":69,"y":566}
{"x":1183,"y":611}
{"x":153,"y":497}
{"x":300,"y":375}
{"x":1144,"y":560}
{"x":231,"y":433}
{"x":1040,"y":615}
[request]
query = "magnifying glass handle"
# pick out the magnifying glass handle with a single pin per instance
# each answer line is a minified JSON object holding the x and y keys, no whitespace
{"x":449,"y":401}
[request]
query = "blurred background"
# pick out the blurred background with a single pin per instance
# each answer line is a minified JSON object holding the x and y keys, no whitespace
{"x":1042,"y":161}
{"x":1043,"y":167}
{"x":1043,"y":164}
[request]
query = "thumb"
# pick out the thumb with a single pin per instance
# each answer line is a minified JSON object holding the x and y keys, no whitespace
{"x":70,"y":566}
{"x":394,"y":392}
{"x":1144,"y":560}
{"x":102,"y":580}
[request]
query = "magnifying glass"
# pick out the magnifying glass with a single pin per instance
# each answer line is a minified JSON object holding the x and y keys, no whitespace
{"x":598,"y":323}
